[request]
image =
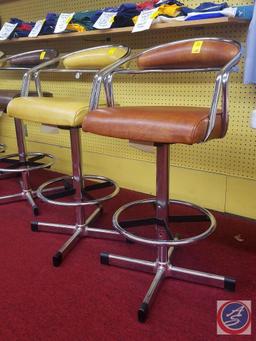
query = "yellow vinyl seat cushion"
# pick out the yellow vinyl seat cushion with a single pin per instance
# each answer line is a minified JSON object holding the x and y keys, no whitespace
{"x":57,"y":111}
{"x":95,"y":58}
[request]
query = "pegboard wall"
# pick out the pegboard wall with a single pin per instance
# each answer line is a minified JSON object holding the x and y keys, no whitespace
{"x":234,"y":155}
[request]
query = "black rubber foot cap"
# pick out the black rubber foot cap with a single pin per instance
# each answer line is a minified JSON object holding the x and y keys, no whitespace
{"x":35,"y":210}
{"x":229,"y":284}
{"x":104,"y":259}
{"x":57,"y":259}
{"x":34,"y":226}
{"x":143,"y":312}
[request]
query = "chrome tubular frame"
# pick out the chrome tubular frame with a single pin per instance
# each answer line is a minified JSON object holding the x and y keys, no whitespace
{"x":26,"y":161}
{"x":82,"y":196}
{"x":165,"y":241}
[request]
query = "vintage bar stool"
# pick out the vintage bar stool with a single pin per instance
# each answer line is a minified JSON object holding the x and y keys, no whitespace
{"x":162,"y":126}
{"x":68,"y":113}
{"x":23,"y":162}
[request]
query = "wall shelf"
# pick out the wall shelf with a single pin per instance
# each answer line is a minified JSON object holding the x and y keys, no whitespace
{"x":160,"y":26}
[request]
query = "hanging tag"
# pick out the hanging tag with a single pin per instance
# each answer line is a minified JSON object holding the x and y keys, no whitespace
{"x":42,"y":55}
{"x":7,"y":30}
{"x":145,"y":20}
{"x":196,"y":48}
{"x":36,"y":29}
{"x":105,"y":20}
{"x":49,"y":129}
{"x":63,"y":21}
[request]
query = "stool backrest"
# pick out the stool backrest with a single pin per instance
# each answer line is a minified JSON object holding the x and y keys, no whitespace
{"x":190,"y":54}
{"x":29,"y":59}
{"x":33,"y":58}
{"x":96,"y":58}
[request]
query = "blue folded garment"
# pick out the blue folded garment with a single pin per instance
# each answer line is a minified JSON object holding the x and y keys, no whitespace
{"x":204,"y":7}
{"x":49,"y":24}
{"x":125,"y":14}
{"x":205,"y":16}
{"x":244,"y":12}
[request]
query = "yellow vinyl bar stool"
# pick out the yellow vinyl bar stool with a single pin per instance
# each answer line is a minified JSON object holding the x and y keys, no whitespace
{"x":68,"y":113}
{"x":162,"y":126}
{"x":23,"y":163}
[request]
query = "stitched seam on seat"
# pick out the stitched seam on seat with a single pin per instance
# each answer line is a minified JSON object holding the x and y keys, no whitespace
{"x":78,"y":111}
{"x":192,"y":135}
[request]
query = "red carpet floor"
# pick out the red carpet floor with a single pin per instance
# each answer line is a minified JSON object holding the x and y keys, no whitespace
{"x":84,"y":300}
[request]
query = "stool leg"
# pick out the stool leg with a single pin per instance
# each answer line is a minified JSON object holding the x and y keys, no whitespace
{"x":148,"y":299}
{"x":26,"y":189}
{"x":201,"y":277}
{"x":127,"y":262}
{"x":78,"y":187}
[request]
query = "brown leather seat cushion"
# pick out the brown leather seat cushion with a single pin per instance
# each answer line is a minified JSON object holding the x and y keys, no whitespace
{"x":7,"y":95}
{"x":152,"y":124}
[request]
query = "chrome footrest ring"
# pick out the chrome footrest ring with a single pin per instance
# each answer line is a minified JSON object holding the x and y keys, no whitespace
{"x":168,"y":242}
{"x":34,"y":158}
{"x":98,"y":179}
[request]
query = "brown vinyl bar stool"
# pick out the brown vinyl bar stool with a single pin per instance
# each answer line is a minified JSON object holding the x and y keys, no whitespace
{"x":23,"y":163}
{"x":68,"y":113}
{"x":162,"y":126}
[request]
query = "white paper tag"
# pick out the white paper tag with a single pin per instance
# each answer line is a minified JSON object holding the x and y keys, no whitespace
{"x":37,"y":28}
{"x":105,"y":20}
{"x":144,"y":20}
{"x":49,"y":129}
{"x":7,"y":30}
{"x":63,"y":21}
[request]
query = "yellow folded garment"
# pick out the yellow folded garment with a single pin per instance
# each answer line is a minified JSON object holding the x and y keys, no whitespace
{"x":76,"y":27}
{"x":170,"y":10}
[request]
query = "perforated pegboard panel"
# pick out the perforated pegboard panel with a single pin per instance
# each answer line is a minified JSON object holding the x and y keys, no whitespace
{"x":234,"y":155}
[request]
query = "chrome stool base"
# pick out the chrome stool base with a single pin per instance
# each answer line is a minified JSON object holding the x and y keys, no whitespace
{"x":82,"y":188}
{"x":165,"y":243}
{"x":81,"y":229}
{"x":77,"y":232}
{"x":16,"y":167}
{"x":164,"y":270}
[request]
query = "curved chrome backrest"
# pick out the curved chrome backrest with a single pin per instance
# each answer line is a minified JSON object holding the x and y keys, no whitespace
{"x":96,"y":57}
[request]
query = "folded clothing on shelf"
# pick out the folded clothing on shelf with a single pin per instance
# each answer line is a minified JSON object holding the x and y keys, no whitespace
{"x":23,"y":28}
